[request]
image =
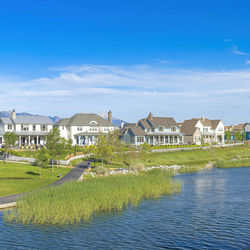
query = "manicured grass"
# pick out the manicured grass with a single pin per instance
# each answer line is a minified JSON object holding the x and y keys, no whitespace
{"x":78,"y":201}
{"x":18,"y":178}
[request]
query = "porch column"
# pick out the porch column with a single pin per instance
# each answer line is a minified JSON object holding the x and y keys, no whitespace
{"x":19,"y":141}
{"x":37,"y":140}
{"x":29,"y":140}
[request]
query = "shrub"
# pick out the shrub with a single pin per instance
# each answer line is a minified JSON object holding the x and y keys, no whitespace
{"x":137,"y":167}
{"x":100,"y":170}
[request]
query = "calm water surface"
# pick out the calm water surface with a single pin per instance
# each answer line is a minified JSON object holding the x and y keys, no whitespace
{"x":211,"y":211}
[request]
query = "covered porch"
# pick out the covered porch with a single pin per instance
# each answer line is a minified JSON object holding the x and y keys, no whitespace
{"x":84,"y":139}
{"x":163,"y":139}
{"x":34,"y":139}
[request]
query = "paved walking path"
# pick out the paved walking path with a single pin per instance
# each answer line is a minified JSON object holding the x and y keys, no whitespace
{"x":73,"y":175}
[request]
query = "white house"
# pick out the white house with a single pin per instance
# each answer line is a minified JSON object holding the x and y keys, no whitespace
{"x":198,"y":130}
{"x":84,"y":129}
{"x":31,"y":130}
{"x":153,"y":130}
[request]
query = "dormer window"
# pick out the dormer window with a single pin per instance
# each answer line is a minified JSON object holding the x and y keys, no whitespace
{"x":161,"y":129}
{"x":9,"y":126}
{"x":93,"y":123}
{"x":34,"y":127}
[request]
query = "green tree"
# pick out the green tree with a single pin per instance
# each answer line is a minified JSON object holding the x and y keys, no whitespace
{"x":145,"y":148}
{"x":103,"y":150}
{"x":228,"y":135}
{"x":244,"y":135}
{"x":42,"y":159}
{"x":54,"y":145}
{"x":237,"y":135}
{"x":10,"y":139}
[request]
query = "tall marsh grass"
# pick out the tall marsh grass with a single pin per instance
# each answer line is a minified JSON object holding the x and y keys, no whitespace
{"x":79,"y":201}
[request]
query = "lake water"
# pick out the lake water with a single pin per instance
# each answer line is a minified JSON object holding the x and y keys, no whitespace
{"x":211,"y":211}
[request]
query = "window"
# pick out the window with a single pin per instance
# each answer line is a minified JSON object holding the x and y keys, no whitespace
{"x":153,"y":130}
{"x":173,"y":128}
{"x":220,"y":129}
{"x":162,"y":139}
{"x":93,"y":129}
{"x":79,"y":128}
{"x":205,"y":129}
{"x":161,"y":128}
{"x":34,"y":127}
{"x":44,"y":127}
{"x":9,"y":126}
{"x":140,"y":138}
{"x":25,"y":127}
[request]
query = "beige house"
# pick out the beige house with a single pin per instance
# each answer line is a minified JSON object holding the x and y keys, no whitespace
{"x":203,"y":130}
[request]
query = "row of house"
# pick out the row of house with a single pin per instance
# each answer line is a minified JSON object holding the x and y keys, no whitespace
{"x":242,"y":127}
{"x":166,"y":131}
{"x":84,"y":129}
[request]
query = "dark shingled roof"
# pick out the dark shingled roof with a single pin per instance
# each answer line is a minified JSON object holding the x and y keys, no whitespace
{"x":126,"y":127}
{"x":144,"y":123}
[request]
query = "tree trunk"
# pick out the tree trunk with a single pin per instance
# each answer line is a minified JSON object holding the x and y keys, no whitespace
{"x":40,"y":172}
{"x":102,"y":162}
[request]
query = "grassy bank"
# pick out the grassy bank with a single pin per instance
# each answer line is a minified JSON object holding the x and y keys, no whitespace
{"x":78,"y":201}
{"x":18,"y":178}
{"x":232,"y":163}
{"x":194,"y":158}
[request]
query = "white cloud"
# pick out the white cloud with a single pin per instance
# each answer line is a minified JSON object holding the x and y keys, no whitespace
{"x":131,"y":92}
{"x":236,"y":51}
{"x":228,"y":40}
{"x":247,"y":61}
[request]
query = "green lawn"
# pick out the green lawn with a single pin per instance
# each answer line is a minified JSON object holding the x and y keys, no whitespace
{"x":30,"y":175}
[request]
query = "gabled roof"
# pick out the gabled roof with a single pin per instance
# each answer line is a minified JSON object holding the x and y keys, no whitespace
{"x":144,"y":123}
{"x":43,"y":120}
{"x":6,"y":120}
{"x":189,"y":127}
{"x":82,"y":119}
{"x":207,"y":122}
{"x":62,"y":122}
{"x":240,"y":126}
{"x":163,"y":121}
{"x":126,"y":127}
{"x":137,"y":131}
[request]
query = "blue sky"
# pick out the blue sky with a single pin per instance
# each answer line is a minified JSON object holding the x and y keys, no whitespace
{"x":172,"y":57}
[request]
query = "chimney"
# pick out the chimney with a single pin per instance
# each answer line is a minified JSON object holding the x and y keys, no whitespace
{"x":110,"y":117}
{"x":150,"y":116}
{"x":122,"y":124}
{"x":203,"y":118}
{"x":14,"y":114}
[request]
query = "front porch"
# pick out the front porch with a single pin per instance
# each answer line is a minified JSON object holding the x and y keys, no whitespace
{"x":31,"y":140}
{"x":84,"y":139}
{"x":158,"y":140}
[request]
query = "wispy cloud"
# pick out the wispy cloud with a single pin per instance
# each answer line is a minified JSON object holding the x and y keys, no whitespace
{"x":228,"y":40}
{"x":247,"y":61}
{"x":131,"y":92}
{"x":237,"y":51}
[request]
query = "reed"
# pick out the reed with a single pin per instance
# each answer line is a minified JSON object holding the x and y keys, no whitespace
{"x":79,"y":201}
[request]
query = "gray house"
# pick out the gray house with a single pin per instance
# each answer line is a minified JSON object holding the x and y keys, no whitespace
{"x":154,"y":131}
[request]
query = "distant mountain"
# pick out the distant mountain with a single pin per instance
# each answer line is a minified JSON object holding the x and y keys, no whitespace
{"x":8,"y":114}
{"x":115,"y":121}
